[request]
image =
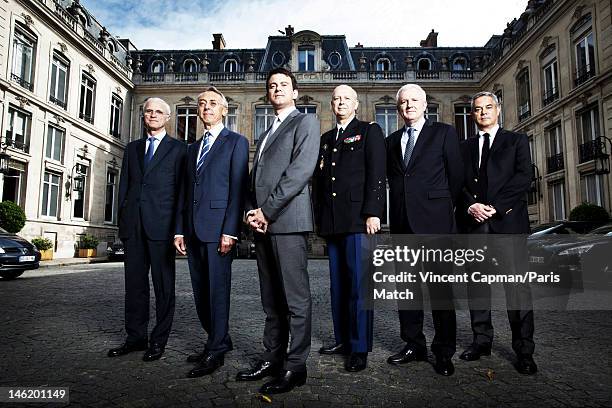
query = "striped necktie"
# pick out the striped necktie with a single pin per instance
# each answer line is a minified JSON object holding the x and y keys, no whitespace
{"x":205,"y":150}
{"x":409,"y":147}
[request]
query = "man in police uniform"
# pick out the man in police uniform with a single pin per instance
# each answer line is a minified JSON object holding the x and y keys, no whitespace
{"x":349,"y":192}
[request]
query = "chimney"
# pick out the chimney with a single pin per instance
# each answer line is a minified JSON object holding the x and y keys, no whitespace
{"x":359,"y":45}
{"x":431,"y":40}
{"x":218,"y":42}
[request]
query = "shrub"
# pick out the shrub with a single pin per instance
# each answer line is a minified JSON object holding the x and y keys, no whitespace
{"x":589,"y":212}
{"x":42,"y":243}
{"x":88,"y":242}
{"x":12,"y":217}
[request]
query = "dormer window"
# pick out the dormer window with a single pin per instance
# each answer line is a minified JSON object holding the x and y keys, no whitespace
{"x":306,"y":58}
{"x":424,"y":64}
{"x":459,"y":64}
{"x":190,"y":66}
{"x":383,"y":64}
{"x":230,"y":65}
{"x":157,"y":67}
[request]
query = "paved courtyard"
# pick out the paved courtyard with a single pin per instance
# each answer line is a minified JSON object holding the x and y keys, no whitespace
{"x":57,"y":324}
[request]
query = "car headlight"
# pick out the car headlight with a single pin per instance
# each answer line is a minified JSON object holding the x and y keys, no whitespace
{"x":2,"y":250}
{"x":109,"y":249}
{"x":579,"y":250}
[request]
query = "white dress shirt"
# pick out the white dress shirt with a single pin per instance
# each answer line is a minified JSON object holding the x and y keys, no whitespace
{"x":158,"y":139}
{"x":277,"y":122}
{"x":492,"y":134}
{"x":214,"y":133}
{"x":418,"y":126}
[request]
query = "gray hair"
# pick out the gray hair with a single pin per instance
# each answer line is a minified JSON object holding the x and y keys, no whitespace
{"x":484,"y":93}
{"x":410,"y":86}
{"x":160,"y":101}
{"x":218,"y":92}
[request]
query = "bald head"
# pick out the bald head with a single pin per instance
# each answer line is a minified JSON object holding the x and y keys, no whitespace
{"x":344,"y":103}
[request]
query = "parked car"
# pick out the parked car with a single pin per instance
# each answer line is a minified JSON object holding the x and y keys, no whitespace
{"x":17,"y":255}
{"x":115,"y":251}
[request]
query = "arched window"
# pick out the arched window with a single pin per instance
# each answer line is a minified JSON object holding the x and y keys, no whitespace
{"x":190,"y":66}
{"x":383,"y":64}
{"x":459,"y":64}
{"x":230,"y":65}
{"x":424,"y":64}
{"x":157,"y":67}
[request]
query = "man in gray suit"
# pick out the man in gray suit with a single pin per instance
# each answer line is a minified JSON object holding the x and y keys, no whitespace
{"x":280,"y":212}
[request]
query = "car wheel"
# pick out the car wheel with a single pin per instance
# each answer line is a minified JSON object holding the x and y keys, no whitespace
{"x":9,"y":275}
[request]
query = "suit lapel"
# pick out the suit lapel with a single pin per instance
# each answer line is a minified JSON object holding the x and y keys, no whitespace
{"x":498,"y":141}
{"x":421,"y":140}
{"x":160,"y":153}
{"x":474,"y":153}
{"x":140,"y":152}
{"x":222,"y":138}
{"x":193,"y":150}
{"x":285,"y":123}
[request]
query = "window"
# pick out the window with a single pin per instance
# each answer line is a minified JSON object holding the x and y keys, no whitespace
{"x":186,"y":123}
{"x":109,"y":202}
{"x":383,"y":64}
{"x":231,"y":120}
{"x":306,"y":59}
{"x":230,"y":65}
{"x":464,"y":123}
{"x":307,"y":109}
{"x":424,"y":64}
{"x":58,"y":88}
{"x":550,"y":76}
{"x":88,"y":98}
{"x":157,"y":67}
{"x":24,"y":52}
{"x":584,"y":46}
{"x":432,"y":112}
{"x":55,"y":143}
{"x":78,"y":210}
{"x":592,"y":189}
{"x":14,"y":184}
{"x":557,"y":194}
{"x":522,"y":86}
{"x":459,"y":64}
{"x":554,"y":161}
{"x":50,"y":194}
{"x":18,"y":132}
{"x":264,"y":116}
{"x":587,"y":123}
{"x":190,"y":66}
{"x":116,"y":115}
{"x":386,"y":117}
{"x":500,"y":98}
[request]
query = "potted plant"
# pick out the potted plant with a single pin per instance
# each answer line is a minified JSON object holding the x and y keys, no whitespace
{"x":87,"y":246}
{"x":45,"y":246}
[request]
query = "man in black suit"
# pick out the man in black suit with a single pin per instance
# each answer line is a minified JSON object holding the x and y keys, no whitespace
{"x":425,"y":173}
{"x":212,"y":205}
{"x":349,"y":194}
{"x":494,"y":201}
{"x":149,"y":189}
{"x":280,"y":211}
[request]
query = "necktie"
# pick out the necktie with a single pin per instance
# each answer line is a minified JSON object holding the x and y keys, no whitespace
{"x":409,"y":147}
{"x":204,"y":151}
{"x":150,"y":150}
{"x":482,"y":171}
{"x":340,"y":133}
{"x":271,"y":130}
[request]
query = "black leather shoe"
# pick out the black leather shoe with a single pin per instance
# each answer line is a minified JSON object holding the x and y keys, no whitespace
{"x":444,"y":366}
{"x":196,"y":357}
{"x":335,"y":349}
{"x":262,"y":369}
{"x":474,"y":352}
{"x":406,"y":355}
{"x":127,"y":348}
{"x":356,"y":362}
{"x":526,"y":365}
{"x":287,"y":381}
{"x":154,"y":352}
{"x":207,"y":365}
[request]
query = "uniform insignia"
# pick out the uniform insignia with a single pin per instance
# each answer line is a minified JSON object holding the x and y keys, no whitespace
{"x":322,"y":163}
{"x":325,"y":146}
{"x":352,"y":139}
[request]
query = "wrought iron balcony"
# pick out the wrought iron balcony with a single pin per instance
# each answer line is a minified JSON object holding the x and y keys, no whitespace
{"x":584,"y":74}
{"x":555,"y":163}
{"x":56,"y":101}
{"x":550,"y":96}
{"x":524,"y":111}
{"x":25,"y":84}
{"x":590,"y":150}
{"x":17,"y":143}
{"x":86,"y":117}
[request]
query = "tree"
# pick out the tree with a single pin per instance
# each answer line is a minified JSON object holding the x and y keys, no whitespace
{"x":12,"y":217}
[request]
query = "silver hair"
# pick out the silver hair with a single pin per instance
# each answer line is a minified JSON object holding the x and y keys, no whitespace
{"x":481,"y":94}
{"x":349,"y":87}
{"x":410,"y":86}
{"x":218,"y":92}
{"x":160,"y":101}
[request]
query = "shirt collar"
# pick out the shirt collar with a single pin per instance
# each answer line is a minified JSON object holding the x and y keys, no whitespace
{"x":283,"y":115}
{"x":338,"y":125}
{"x":491,"y":132}
{"x":216,"y":130}
{"x":158,"y":136}
{"x":418,"y":126}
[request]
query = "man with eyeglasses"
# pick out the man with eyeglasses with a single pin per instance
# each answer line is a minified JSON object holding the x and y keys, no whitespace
{"x":149,"y":189}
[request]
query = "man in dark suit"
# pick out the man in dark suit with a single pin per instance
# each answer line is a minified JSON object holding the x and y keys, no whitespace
{"x":151,"y":175}
{"x":349,"y":193}
{"x":494,"y":201}
{"x":212,"y":205}
{"x":425,"y":174}
{"x":280,"y":211}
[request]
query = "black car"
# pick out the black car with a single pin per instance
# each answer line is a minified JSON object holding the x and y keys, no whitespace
{"x":115,"y":251}
{"x":16,"y":255}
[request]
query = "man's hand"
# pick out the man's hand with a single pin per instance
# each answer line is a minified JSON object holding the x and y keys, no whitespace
{"x":481,"y":212}
{"x":179,"y":244}
{"x":372,"y":225}
{"x":257,"y":220}
{"x":225,"y":244}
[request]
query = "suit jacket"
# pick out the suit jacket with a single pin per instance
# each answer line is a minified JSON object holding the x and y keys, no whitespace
{"x":509,"y":179}
{"x":349,"y":180}
{"x":279,"y":179}
{"x":425,"y":192}
{"x":213,"y":198}
{"x":150,"y":194}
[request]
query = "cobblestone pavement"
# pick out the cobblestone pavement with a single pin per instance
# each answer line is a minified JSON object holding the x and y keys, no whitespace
{"x":57,"y":324}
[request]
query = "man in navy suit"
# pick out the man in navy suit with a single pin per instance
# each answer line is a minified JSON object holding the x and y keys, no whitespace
{"x":425,"y":174}
{"x":494,"y":201}
{"x":213,"y":201}
{"x":151,"y":175}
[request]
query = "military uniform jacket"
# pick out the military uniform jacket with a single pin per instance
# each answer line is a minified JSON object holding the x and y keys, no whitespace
{"x":349,"y":180}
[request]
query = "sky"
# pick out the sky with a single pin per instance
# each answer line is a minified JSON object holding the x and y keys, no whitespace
{"x":189,"y":24}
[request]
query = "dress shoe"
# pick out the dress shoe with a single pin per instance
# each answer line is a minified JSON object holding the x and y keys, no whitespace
{"x":287,"y":381}
{"x":207,"y":365}
{"x":196,"y":357}
{"x":474,"y":352}
{"x":526,"y":365}
{"x":335,"y":349}
{"x":444,"y":366}
{"x":262,"y":369}
{"x":154,"y":352}
{"x":127,"y":348}
{"x":406,"y":355}
{"x":356,"y":362}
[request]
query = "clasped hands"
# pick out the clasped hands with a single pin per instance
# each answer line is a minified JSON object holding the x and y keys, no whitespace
{"x":225,"y":244}
{"x":481,"y":212}
{"x":257,"y":221}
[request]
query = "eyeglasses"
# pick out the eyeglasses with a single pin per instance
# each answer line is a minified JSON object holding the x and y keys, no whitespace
{"x":150,"y":112}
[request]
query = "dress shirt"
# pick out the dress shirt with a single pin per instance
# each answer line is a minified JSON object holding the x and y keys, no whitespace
{"x":277,"y":122}
{"x":481,"y":133}
{"x":158,"y":139}
{"x":418,"y":126}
